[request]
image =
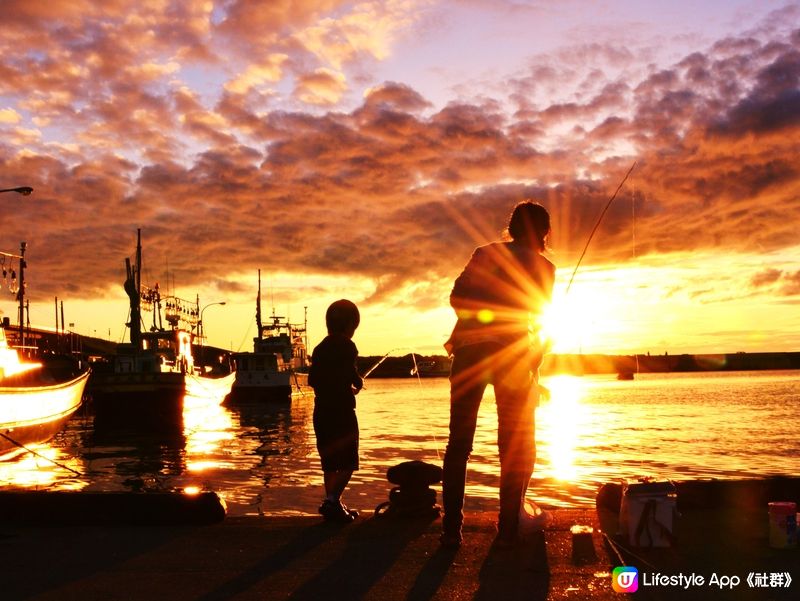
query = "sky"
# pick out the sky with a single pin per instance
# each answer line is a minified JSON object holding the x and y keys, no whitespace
{"x":362,"y":150}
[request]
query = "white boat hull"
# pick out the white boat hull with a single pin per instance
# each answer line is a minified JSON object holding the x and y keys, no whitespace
{"x":210,"y":388}
{"x":268,"y":386}
{"x":34,"y":414}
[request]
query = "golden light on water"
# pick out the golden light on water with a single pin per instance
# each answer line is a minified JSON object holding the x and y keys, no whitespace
{"x":29,"y":470}
{"x":207,"y":427}
{"x":559,"y":424}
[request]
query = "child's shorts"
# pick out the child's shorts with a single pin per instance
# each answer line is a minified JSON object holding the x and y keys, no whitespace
{"x":337,"y":439}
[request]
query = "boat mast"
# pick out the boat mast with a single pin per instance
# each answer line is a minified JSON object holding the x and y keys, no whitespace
{"x":133,"y":287}
{"x":21,"y":294}
{"x":258,"y":306}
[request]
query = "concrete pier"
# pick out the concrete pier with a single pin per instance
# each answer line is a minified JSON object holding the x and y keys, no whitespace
{"x":299,"y":557}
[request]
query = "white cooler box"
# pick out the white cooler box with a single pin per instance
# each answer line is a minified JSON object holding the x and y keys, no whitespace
{"x":647,"y":513}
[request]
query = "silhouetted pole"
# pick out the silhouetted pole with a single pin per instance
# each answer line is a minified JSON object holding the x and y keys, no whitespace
{"x":21,"y":294}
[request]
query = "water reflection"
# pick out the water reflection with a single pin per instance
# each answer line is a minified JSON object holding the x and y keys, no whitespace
{"x":207,"y":427}
{"x":561,"y":423}
{"x":279,"y":441}
{"x":593,"y":429}
{"x":41,"y":468}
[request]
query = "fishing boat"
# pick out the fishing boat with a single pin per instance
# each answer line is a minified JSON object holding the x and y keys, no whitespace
{"x":33,"y":407}
{"x":437,"y":367}
{"x":35,"y":402}
{"x":627,"y":368}
{"x":147,"y":378}
{"x":277,"y":368}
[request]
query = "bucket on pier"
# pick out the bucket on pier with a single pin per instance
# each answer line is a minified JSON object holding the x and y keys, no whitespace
{"x":782,"y":524}
{"x":582,"y":545}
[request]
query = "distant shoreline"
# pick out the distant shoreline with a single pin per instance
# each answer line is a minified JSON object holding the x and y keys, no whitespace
{"x":576,"y":364}
{"x":91,"y":348}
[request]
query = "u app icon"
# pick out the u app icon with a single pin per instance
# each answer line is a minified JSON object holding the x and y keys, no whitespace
{"x":625,"y":579}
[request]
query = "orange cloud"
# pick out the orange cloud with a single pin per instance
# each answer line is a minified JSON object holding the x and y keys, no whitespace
{"x":223,"y":161}
{"x":322,"y":87}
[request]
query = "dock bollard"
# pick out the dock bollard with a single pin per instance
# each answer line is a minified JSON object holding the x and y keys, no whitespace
{"x":582,"y":545}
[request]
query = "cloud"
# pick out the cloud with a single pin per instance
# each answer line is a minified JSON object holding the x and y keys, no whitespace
{"x":256,"y":160}
{"x":322,"y":87}
{"x":791,"y":284}
{"x":267,"y":72}
{"x":9,"y":116}
{"x":394,"y":95}
{"x":765,"y":278}
{"x":369,"y":28}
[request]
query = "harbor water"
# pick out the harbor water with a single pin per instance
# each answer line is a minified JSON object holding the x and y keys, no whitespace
{"x":592,"y":429}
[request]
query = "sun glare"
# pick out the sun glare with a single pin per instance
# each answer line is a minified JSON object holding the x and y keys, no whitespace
{"x":571,"y":325}
{"x":591,"y":318}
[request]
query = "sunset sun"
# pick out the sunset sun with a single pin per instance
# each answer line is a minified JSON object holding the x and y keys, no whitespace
{"x":585,"y":319}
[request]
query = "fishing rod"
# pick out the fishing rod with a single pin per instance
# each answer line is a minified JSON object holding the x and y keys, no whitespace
{"x":596,"y":225}
{"x":381,"y":360}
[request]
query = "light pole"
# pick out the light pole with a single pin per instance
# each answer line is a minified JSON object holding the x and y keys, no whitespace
{"x":200,"y":327}
{"x":24,"y":190}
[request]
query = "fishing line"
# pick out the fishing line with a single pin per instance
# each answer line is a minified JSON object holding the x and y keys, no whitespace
{"x":32,"y":452}
{"x":419,"y":381}
{"x":633,"y":221}
{"x":619,"y":548}
{"x":597,"y":225}
{"x":244,"y":338}
{"x":416,"y":369}
{"x":297,"y":383}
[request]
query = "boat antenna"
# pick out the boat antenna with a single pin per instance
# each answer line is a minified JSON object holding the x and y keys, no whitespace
{"x":596,"y":225}
{"x":272,"y":296}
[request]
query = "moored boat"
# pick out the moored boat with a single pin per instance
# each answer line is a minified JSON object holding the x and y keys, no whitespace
{"x":147,"y":378}
{"x":32,"y":414}
{"x":35,"y":402}
{"x":145,"y":381}
{"x":277,"y":368}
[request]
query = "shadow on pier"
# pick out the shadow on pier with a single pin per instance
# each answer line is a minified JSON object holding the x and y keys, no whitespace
{"x":296,"y":558}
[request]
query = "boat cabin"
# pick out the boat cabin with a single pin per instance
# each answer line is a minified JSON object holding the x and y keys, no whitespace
{"x":162,"y":352}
